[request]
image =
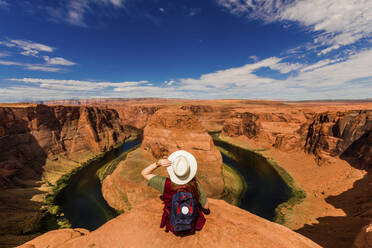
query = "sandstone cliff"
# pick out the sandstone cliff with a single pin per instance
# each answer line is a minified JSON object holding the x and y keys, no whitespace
{"x":326,"y":131}
{"x":168,"y":130}
{"x":326,"y":135}
{"x":38,"y":144}
{"x":226,"y":226}
{"x":137,"y":115}
{"x":331,"y":134}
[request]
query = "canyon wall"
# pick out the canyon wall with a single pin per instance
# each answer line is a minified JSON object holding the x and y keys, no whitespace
{"x":345,"y":134}
{"x":40,"y":143}
{"x":291,"y":133}
{"x":327,"y":135}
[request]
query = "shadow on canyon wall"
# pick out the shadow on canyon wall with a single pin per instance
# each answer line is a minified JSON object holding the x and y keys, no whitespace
{"x":359,"y":153}
{"x":21,"y":167}
{"x":356,"y":202}
{"x":21,"y":159}
{"x":341,"y":231}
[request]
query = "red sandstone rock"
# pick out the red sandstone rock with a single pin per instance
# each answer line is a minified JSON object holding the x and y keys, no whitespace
{"x":364,"y":239}
{"x":175,"y":129}
{"x":40,"y":143}
{"x":226,"y":226}
{"x":136,"y":116}
{"x":283,"y":125}
{"x":247,"y":124}
{"x":31,"y":135}
{"x":125,"y":188}
{"x":331,"y":134}
{"x":55,"y":238}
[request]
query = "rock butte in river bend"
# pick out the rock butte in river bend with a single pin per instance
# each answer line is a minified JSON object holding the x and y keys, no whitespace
{"x":173,"y":129}
{"x":325,"y":146}
{"x":167,"y":131}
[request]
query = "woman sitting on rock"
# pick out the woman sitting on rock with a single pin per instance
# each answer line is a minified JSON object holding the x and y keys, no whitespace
{"x":184,"y":198}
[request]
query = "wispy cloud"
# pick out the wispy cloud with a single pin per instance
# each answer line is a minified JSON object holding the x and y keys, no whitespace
{"x":4,"y":54}
{"x":32,"y":67}
{"x":58,"y":61}
{"x":3,"y":3}
{"x":74,"y":11}
{"x":42,"y":68}
{"x":80,"y":85}
{"x":338,"y":22}
{"x":326,"y":79}
{"x":6,"y":62}
{"x":30,"y":48}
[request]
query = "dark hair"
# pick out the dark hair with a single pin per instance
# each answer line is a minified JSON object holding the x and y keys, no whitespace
{"x":191,"y":186}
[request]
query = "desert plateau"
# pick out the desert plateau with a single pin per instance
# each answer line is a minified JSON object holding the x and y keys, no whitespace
{"x":321,"y":151}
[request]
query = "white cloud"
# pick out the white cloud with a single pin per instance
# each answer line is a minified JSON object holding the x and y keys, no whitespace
{"x":4,"y":54}
{"x":117,"y":3}
{"x":286,"y":67}
{"x":9,"y":63}
{"x":3,"y":3}
{"x":326,"y":79}
{"x":33,"y":67}
{"x":29,"y":48}
{"x":58,"y":61}
{"x":8,"y":44}
{"x":331,"y":79}
{"x":254,"y":58}
{"x":42,"y":68}
{"x":320,"y":64}
{"x":161,"y":9}
{"x":81,"y":85}
{"x":336,"y":74}
{"x":29,"y":45}
{"x":74,"y":11}
{"x":340,"y":22}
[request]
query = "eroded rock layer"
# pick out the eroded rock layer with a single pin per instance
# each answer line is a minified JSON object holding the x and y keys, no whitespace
{"x":226,"y":226}
{"x":40,"y":143}
{"x":325,"y":146}
{"x":331,"y":134}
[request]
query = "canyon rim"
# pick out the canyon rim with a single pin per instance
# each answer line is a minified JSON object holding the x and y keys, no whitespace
{"x":326,"y":152}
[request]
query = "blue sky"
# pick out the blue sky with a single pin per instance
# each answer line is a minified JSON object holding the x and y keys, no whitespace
{"x":256,"y":49}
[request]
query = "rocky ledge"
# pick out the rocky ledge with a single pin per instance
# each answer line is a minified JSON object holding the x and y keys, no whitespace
{"x":226,"y":226}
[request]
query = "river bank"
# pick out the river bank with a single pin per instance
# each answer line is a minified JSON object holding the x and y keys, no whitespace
{"x":80,"y":187}
{"x":268,"y":187}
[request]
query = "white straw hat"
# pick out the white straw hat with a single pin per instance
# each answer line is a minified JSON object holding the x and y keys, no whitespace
{"x":183,"y":167}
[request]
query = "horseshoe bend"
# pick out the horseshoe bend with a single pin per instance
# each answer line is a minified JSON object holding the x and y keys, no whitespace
{"x":276,"y":174}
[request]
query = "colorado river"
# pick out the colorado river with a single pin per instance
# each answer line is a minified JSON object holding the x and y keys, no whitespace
{"x":81,"y":201}
{"x":84,"y":206}
{"x":265,"y":188}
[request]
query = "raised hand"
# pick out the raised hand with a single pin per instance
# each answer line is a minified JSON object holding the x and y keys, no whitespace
{"x":164,"y":162}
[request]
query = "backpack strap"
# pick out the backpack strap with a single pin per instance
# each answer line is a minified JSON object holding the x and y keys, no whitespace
{"x":167,"y":198}
{"x":181,"y":188}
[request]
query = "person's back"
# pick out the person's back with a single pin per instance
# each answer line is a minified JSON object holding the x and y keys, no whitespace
{"x":183,"y":196}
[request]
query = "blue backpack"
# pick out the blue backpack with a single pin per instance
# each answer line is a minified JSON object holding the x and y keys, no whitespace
{"x":183,"y":212}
